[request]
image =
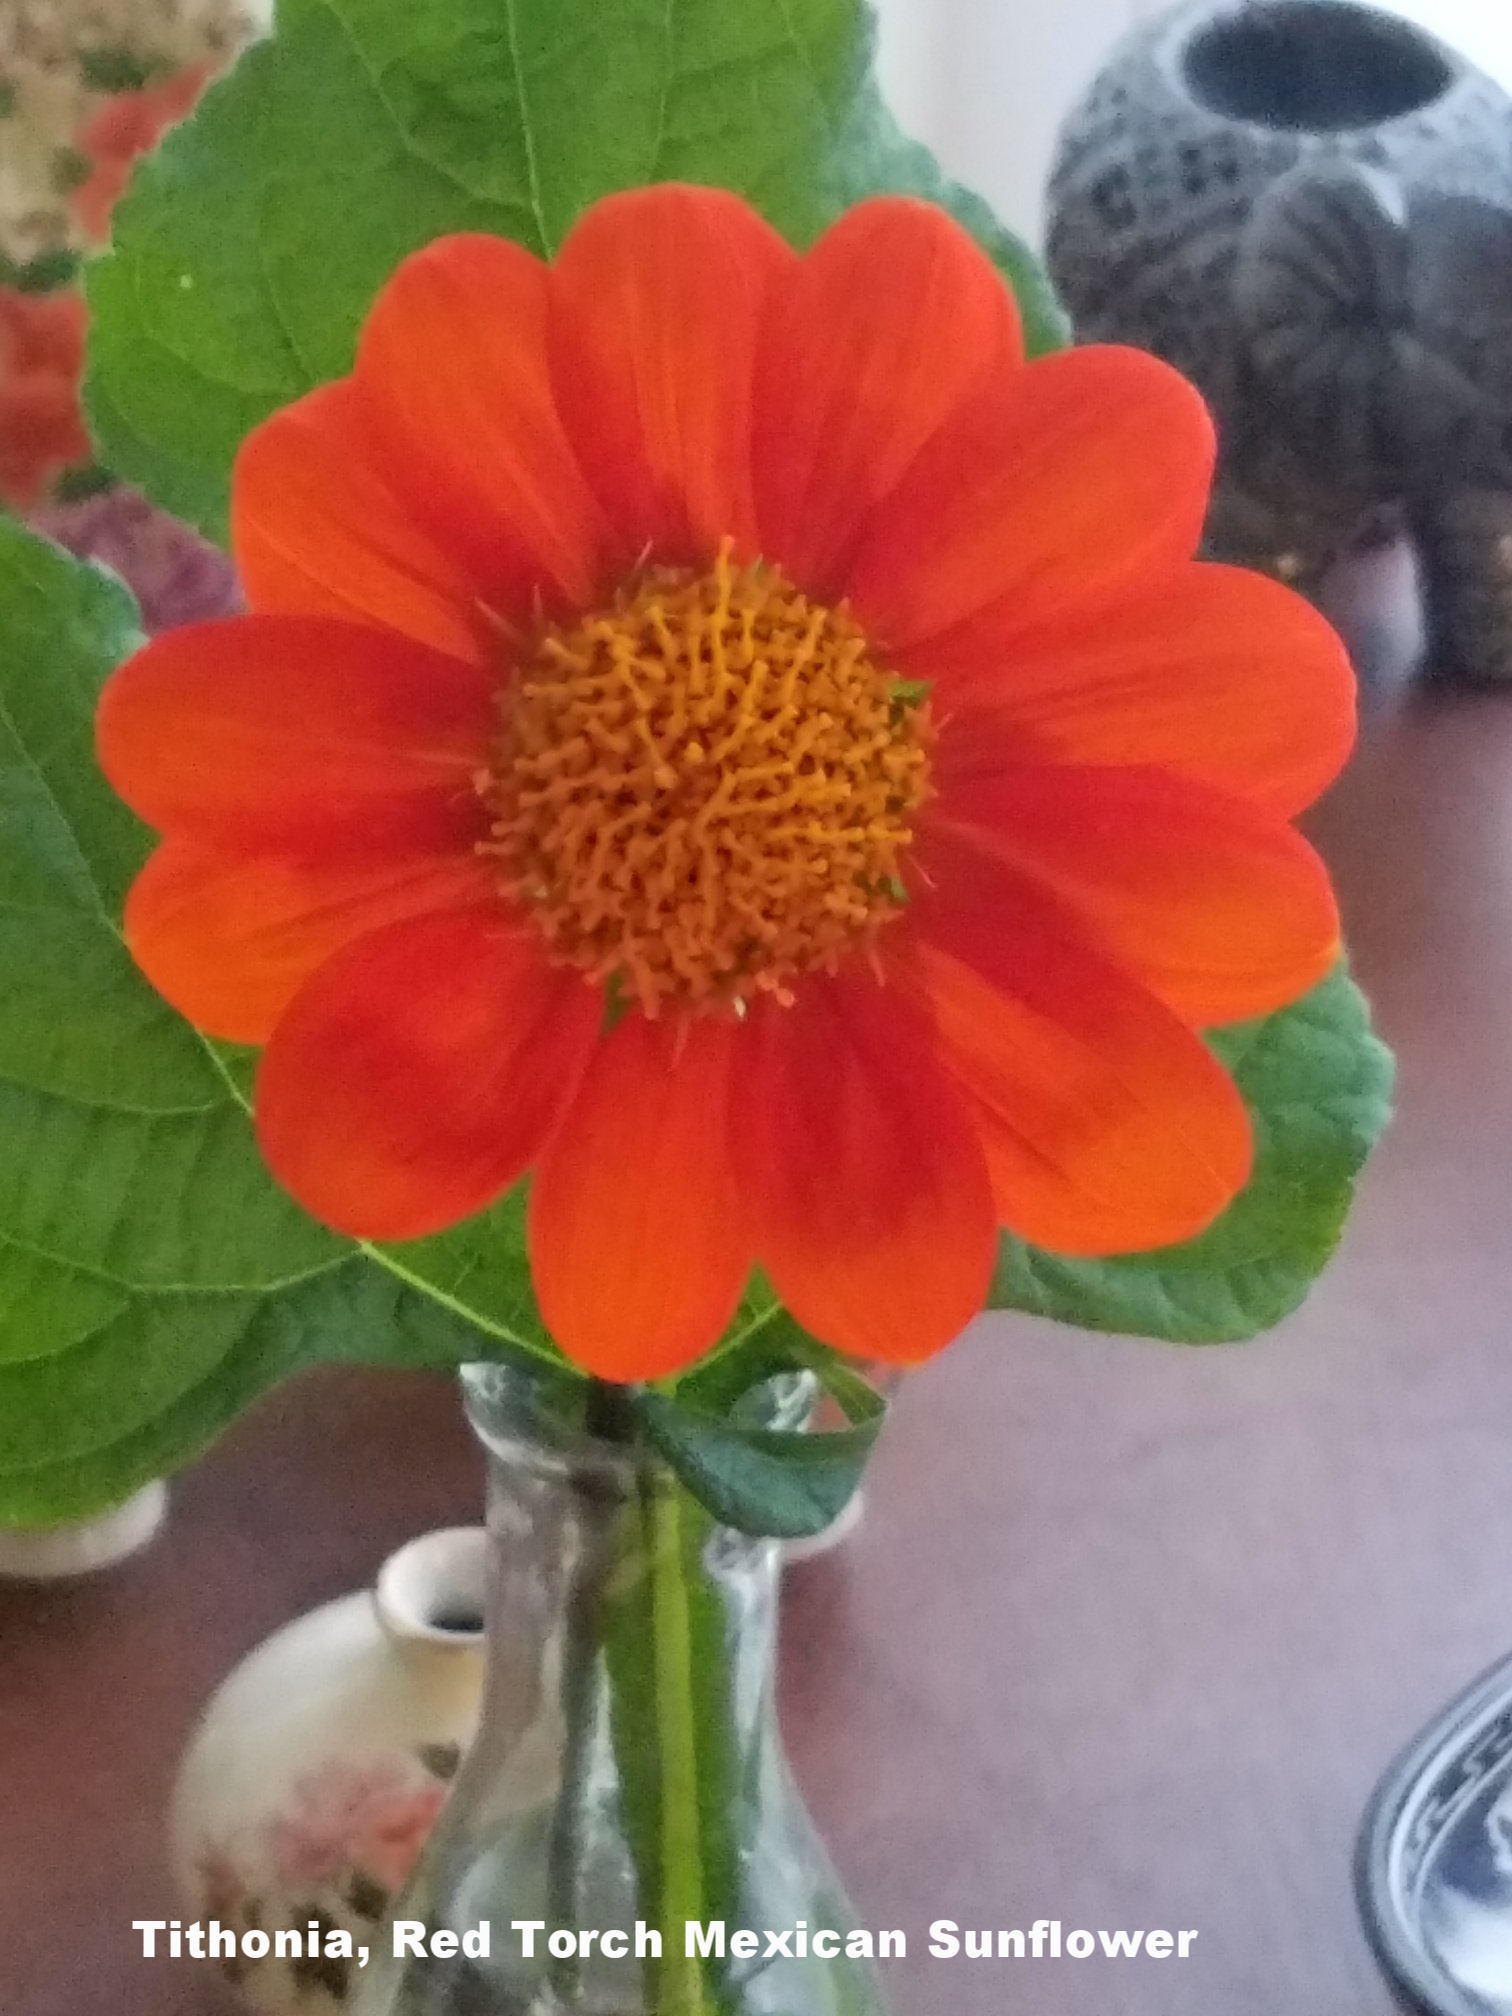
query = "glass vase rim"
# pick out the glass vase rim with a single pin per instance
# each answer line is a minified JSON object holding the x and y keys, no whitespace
{"x":517,"y":1415}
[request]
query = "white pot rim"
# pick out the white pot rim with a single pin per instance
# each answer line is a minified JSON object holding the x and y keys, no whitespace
{"x":433,"y":1590}
{"x":86,"y":1546}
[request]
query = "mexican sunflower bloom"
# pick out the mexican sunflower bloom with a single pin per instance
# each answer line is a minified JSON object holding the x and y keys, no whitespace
{"x":716,"y":730}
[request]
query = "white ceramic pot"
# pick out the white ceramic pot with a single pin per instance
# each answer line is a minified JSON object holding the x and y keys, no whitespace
{"x":320,"y":1766}
{"x":55,"y":1553}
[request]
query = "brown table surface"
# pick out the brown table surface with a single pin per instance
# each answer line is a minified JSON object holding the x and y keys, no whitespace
{"x":1128,"y":1633}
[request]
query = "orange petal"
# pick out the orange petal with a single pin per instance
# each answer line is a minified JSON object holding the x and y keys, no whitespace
{"x":865,"y":1188}
{"x":656,"y":302}
{"x":1220,"y":908}
{"x":420,"y":1072}
{"x":231,"y":939}
{"x":265,"y":731}
{"x":317,"y":531}
{"x":1220,"y":674}
{"x":637,"y":1245}
{"x":1108,"y":1125}
{"x":453,"y":370}
{"x":1061,"y":485}
{"x":884,"y":330}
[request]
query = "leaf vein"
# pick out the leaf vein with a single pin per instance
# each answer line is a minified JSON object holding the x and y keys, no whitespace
{"x":527,"y":131}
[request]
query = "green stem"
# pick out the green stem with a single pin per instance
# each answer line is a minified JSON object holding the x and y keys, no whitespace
{"x":681,"y":1899}
{"x":606,"y":1417}
{"x":564,"y":1851}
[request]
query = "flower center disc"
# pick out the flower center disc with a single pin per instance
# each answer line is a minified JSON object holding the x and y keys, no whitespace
{"x":706,"y":789}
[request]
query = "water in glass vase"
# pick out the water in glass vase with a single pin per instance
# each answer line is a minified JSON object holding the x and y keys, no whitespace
{"x":628,"y":1777}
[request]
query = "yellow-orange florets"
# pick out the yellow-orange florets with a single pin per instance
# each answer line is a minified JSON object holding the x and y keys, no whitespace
{"x":707,"y":788}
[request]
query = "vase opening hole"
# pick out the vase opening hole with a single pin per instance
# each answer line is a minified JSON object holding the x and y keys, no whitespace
{"x":434,"y":1590}
{"x":456,"y":1623}
{"x":1320,"y":66}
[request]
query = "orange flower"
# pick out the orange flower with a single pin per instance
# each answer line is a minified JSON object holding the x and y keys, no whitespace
{"x":128,"y":125}
{"x":719,"y":731}
{"x":42,"y":431}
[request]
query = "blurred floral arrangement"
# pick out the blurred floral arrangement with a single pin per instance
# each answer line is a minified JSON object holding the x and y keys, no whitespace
{"x":87,"y":87}
{"x":42,"y":432}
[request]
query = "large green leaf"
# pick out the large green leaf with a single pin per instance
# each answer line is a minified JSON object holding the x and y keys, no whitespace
{"x":1318,"y":1086}
{"x":145,"y":1389}
{"x":251,"y":246}
{"x":153,"y":1280}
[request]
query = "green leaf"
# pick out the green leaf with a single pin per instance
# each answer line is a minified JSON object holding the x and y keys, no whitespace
{"x":70,"y":170}
{"x":144,"y":1391}
{"x":789,"y":1484}
{"x":119,"y":69}
{"x":875,"y":154}
{"x":252,"y":243}
{"x":153,"y":1279}
{"x":73,"y":486}
{"x":762,"y":1342}
{"x":49,"y":270}
{"x":1319,"y":1086}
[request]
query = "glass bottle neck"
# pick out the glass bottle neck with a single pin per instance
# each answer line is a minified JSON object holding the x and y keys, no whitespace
{"x":628,"y":1776}
{"x":599,"y":1556}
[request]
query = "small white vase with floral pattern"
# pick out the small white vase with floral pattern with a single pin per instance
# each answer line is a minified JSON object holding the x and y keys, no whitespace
{"x":320,"y":1765}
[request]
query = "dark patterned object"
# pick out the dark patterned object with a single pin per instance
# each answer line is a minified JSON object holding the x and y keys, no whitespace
{"x":1306,"y":206}
{"x":1434,"y":1861}
{"x":174,"y":574}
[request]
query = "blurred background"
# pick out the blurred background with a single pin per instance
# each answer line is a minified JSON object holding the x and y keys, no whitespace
{"x":987,"y":82}
{"x":1217,"y":1590}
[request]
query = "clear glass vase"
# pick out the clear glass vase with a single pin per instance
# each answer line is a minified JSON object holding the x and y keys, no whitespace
{"x":628,"y":1778}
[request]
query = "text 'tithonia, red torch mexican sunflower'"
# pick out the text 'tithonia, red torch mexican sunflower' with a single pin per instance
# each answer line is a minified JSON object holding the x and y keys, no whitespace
{"x":718,"y":731}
